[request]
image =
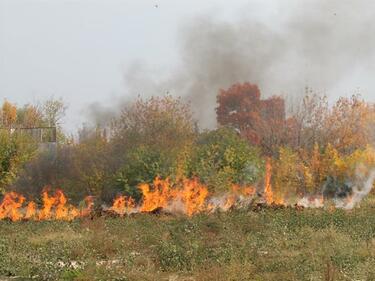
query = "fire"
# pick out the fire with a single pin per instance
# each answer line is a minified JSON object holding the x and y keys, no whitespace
{"x":54,"y":208}
{"x":30,"y":210}
{"x":269,"y":195}
{"x":194,"y":196}
{"x":10,"y":206}
{"x":187,"y":196}
{"x":158,"y":197}
{"x":123,"y":205}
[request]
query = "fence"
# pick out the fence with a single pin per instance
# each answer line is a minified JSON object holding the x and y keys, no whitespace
{"x":42,"y":135}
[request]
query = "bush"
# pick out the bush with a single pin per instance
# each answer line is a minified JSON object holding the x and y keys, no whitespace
{"x":324,"y":170}
{"x":222,"y":157}
{"x":15,"y":150}
{"x":152,"y":138}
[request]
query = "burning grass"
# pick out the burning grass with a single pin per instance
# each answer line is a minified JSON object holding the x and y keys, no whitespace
{"x":186,"y":196}
{"x":271,"y":244}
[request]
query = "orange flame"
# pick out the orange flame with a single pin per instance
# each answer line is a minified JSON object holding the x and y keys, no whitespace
{"x":268,"y":193}
{"x":123,"y":205}
{"x":30,"y":210}
{"x":269,"y":196}
{"x":10,"y":206}
{"x":188,"y":192}
{"x":194,"y":196}
{"x":54,"y":207}
{"x":158,"y":197}
{"x":188,"y":196}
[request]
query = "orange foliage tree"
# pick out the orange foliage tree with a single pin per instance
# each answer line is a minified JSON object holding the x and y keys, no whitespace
{"x":9,"y":114}
{"x":261,"y":121}
{"x":347,"y":125}
{"x":29,"y":116}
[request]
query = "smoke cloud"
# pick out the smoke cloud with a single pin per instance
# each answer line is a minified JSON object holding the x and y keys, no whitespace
{"x":306,"y":43}
{"x":360,"y":190}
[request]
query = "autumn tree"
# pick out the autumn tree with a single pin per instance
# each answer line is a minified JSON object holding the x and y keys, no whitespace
{"x":350,"y":124}
{"x":347,"y":125}
{"x":29,"y":116}
{"x":260,"y":121}
{"x":8,"y":114}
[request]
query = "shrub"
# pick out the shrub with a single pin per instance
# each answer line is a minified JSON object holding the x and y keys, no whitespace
{"x":324,"y":170}
{"x":152,"y":138}
{"x":222,"y":157}
{"x":15,"y":150}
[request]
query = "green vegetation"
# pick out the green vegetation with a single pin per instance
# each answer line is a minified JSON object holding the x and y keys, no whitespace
{"x":15,"y":150}
{"x":269,"y":244}
{"x":317,"y":150}
{"x":221,"y":157}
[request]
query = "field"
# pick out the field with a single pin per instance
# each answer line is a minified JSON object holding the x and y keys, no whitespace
{"x":267,"y":244}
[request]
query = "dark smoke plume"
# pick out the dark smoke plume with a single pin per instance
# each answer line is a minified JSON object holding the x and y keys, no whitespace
{"x":307,"y":43}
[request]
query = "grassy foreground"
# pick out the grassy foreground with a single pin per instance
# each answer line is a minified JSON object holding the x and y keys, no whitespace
{"x":239,"y":245}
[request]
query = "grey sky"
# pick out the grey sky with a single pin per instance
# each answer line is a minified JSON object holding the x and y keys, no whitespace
{"x":81,"y":49}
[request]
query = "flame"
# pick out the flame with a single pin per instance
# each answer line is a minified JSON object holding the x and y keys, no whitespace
{"x":194,"y":196}
{"x":48,"y":203}
{"x":10,"y":206}
{"x":158,"y":196}
{"x":123,"y":205}
{"x":269,"y":196}
{"x":54,"y":207}
{"x":268,"y":193}
{"x":188,"y":196}
{"x":189,"y":193}
{"x":30,"y":210}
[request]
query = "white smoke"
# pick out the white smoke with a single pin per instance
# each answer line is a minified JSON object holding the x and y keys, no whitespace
{"x":360,"y":190}
{"x":311,"y":202}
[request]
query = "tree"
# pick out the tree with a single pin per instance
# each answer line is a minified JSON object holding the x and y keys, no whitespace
{"x":152,"y":138}
{"x":9,"y":114}
{"x":351,"y":124}
{"x":347,"y":125}
{"x":261,"y":122}
{"x":307,"y":125}
{"x":54,"y":111}
{"x":29,"y":116}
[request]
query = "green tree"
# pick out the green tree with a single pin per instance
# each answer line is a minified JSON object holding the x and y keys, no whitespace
{"x":221,"y":158}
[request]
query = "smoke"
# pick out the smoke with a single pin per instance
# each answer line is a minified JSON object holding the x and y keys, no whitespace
{"x":360,"y":190}
{"x":305,"y":43}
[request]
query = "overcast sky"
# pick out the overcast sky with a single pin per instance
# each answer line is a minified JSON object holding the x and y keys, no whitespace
{"x":81,"y":49}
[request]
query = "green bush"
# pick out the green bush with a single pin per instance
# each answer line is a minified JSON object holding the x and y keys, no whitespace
{"x":153,"y":138}
{"x":221,"y":157}
{"x":15,"y":150}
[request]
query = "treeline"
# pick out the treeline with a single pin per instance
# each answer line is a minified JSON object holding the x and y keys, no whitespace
{"x":316,"y":148}
{"x":17,"y":147}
